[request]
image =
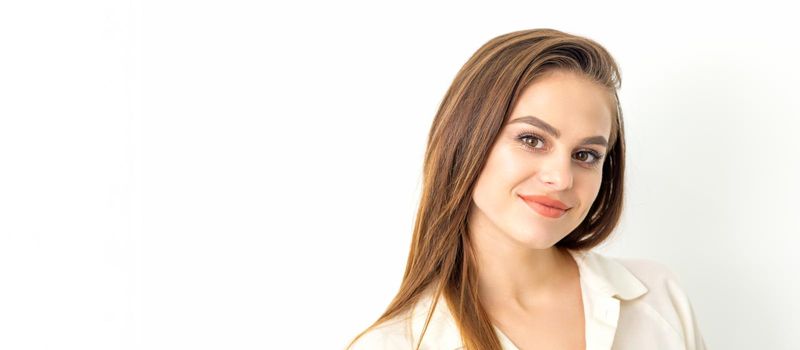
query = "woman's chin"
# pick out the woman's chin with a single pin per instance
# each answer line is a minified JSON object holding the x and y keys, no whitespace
{"x":536,"y":240}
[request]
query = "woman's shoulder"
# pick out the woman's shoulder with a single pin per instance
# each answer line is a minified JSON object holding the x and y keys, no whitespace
{"x":406,"y":330}
{"x":665,"y":298}
{"x":391,"y":334}
{"x":651,"y":273}
{"x":659,"y":280}
{"x":662,"y":282}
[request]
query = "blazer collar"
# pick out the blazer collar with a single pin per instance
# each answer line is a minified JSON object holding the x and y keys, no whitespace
{"x":604,"y":283}
{"x":607,"y":276}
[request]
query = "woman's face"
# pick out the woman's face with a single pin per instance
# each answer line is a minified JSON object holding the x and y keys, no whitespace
{"x":553,"y":145}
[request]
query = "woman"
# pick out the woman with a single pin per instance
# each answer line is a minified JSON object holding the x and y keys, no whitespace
{"x":523,"y":176}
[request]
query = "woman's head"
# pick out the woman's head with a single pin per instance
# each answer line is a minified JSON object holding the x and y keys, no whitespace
{"x":567,"y":81}
{"x":476,"y":164}
{"x":552,"y":145}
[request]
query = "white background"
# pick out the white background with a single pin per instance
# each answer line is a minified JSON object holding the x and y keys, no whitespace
{"x":244,"y":175}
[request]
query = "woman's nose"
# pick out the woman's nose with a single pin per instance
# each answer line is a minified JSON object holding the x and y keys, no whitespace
{"x":556,"y":173}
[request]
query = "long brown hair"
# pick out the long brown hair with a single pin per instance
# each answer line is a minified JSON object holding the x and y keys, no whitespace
{"x":469,"y":118}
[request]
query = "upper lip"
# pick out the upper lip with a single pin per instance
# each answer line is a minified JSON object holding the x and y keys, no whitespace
{"x":550,"y":202}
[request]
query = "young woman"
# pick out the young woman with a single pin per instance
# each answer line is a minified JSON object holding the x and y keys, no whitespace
{"x":523,"y":176}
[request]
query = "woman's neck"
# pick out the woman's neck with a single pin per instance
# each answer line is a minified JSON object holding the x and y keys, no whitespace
{"x":509,"y":273}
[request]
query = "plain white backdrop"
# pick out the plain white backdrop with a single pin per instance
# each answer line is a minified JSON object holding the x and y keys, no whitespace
{"x":244,"y":174}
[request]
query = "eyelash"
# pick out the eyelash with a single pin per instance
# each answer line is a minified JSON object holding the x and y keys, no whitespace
{"x":592,"y":164}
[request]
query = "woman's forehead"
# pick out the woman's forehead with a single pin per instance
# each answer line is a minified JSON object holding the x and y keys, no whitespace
{"x":566,"y":101}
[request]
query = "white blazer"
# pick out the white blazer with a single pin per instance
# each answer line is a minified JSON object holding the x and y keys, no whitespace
{"x":628,"y":304}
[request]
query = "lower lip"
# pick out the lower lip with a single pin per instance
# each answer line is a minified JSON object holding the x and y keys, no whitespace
{"x":544,"y":210}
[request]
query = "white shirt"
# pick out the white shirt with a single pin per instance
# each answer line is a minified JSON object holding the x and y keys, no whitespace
{"x":628,"y":304}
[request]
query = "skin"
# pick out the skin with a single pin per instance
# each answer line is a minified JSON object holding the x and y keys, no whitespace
{"x":530,"y":288}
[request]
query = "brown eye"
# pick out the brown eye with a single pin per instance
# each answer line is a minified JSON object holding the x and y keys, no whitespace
{"x":589,"y":157}
{"x":531,"y":141}
{"x":586,"y":155}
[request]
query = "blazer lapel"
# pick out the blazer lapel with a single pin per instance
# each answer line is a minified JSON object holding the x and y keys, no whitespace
{"x":604,"y":284}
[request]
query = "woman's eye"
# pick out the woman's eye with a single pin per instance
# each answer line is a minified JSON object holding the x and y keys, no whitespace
{"x":531,"y":141}
{"x":589,"y":157}
{"x":585,"y":156}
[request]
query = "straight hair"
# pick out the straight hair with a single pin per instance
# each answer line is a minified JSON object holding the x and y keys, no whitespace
{"x":472,"y":113}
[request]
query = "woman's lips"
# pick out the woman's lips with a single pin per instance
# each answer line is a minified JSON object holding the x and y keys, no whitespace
{"x":545,"y":200}
{"x":546,"y":206}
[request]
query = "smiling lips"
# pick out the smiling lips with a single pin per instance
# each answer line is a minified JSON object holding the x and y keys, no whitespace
{"x":546,"y":206}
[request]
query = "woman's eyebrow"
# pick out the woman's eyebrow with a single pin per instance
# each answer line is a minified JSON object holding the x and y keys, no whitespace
{"x":529,"y":119}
